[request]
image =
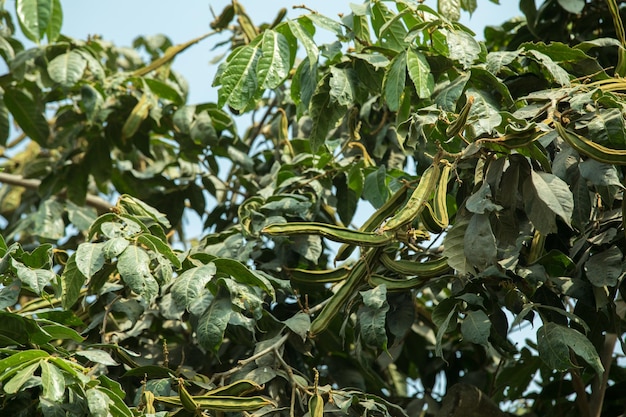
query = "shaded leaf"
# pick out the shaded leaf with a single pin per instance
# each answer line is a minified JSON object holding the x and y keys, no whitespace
{"x":554,"y":342}
{"x":545,"y":196}
{"x":212,"y":324}
{"x":476,"y":327}
{"x":604,"y":268}
{"x":372,"y":317}
{"x":27,"y":114}
{"x":479,"y":242}
{"x":72,"y":281}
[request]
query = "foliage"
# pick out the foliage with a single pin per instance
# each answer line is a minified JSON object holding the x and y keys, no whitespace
{"x":494,"y":170}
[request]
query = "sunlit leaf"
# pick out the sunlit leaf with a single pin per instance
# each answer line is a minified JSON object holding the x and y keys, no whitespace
{"x":67,"y":69}
{"x":274,"y":63}
{"x":394,"y":82}
{"x":420,"y":73}
{"x":34,"y":17}
{"x":52,"y":382}
{"x":134,"y":267}
{"x":239,"y":81}
{"x":190,"y":284}
{"x":90,"y":258}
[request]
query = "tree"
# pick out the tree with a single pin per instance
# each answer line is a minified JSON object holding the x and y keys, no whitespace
{"x":495,"y":174}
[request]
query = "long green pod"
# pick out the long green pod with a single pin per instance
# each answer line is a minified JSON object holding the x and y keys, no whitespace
{"x":318,"y":276}
{"x":335,"y":233}
{"x":360,"y":271}
{"x":591,"y":149}
{"x":426,"y":269}
{"x":238,"y":388}
{"x":220,"y":402}
{"x":375,"y":220}
{"x":417,"y":201}
{"x":394,"y":284}
{"x":440,"y":200}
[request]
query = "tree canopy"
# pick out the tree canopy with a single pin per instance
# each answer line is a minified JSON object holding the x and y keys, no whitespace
{"x":493,"y":171}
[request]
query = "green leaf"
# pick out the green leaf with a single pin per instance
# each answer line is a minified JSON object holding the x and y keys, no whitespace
{"x":476,"y":327}
{"x":190,"y":285}
{"x":90,"y":258}
{"x":554,"y":342}
{"x":112,"y":248}
{"x":243,"y":274}
{"x":67,"y":69}
{"x":134,"y":267}
{"x":299,"y":323}
{"x":375,"y":188}
{"x":48,"y":220}
{"x":35,"y":279}
{"x":305,"y":38}
{"x":72,"y":281}
{"x":554,"y":72}
{"x":21,"y":358}
{"x":28,"y":115}
{"x":454,"y":247}
{"x":212,"y":324}
{"x":56,"y":21}
{"x":20,"y":378}
{"x":239,"y":80}
{"x":463,"y":48}
{"x":479,"y":242}
{"x":372,"y":317}
{"x":545,"y":196}
{"x":443,"y":316}
{"x":451,"y":9}
{"x":420,"y":73}
{"x":599,"y":173}
{"x":59,"y":332}
{"x":81,"y":217}
{"x":202,"y":130}
{"x":604,"y":268}
{"x":52,"y":382}
{"x":97,"y":356}
{"x":325,"y":112}
{"x":5,"y":126}
{"x":572,"y":6}
{"x":480,"y":201}
{"x":157,"y":245}
{"x":394,"y":82}
{"x":342,"y":85}
{"x":388,"y":26}
{"x":98,"y":403}
{"x":275,"y":61}
{"x":303,"y":83}
{"x":9,"y":294}
{"x":34,"y":17}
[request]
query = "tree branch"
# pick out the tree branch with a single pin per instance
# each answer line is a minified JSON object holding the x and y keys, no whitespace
{"x":100,"y":204}
{"x":598,"y":387}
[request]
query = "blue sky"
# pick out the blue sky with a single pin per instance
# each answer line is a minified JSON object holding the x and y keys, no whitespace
{"x":121,"y":21}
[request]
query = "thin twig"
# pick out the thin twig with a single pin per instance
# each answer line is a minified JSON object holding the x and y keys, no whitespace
{"x":598,"y":387}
